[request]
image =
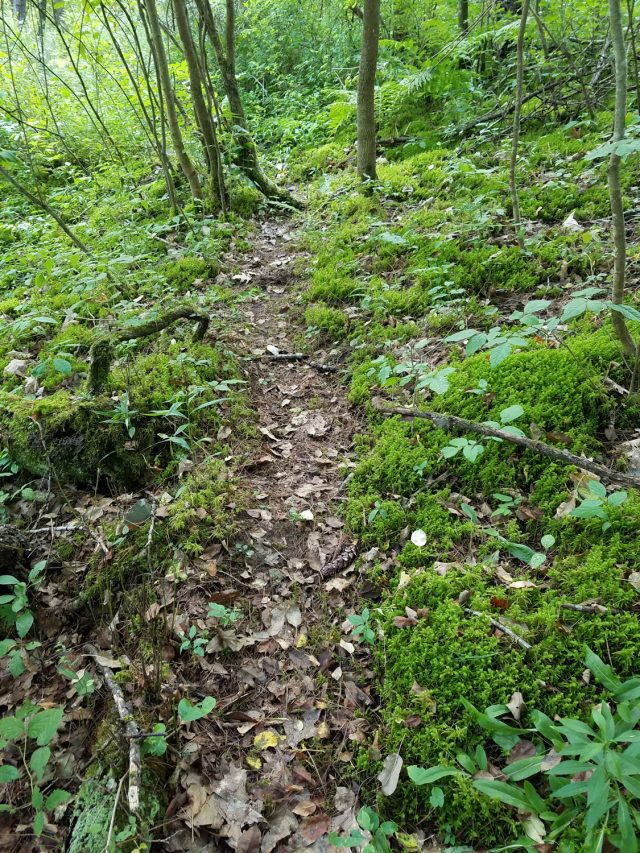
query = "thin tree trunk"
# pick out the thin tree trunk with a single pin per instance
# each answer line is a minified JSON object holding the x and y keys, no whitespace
{"x":631,"y":6}
{"x":366,"y":90}
{"x":613,"y":180}
{"x":247,"y":158}
{"x":463,"y":16}
{"x":517,"y":113}
{"x":160,"y":57}
{"x":203,"y":116}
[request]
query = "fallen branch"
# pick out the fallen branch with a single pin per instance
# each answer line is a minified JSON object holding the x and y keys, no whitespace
{"x":300,"y":356}
{"x":589,"y":608}
{"x":126,"y":716}
{"x":102,"y":351}
{"x":451,"y":422}
{"x":517,"y":639}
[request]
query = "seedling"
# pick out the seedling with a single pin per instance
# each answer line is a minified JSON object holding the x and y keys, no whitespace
{"x":362,"y":627}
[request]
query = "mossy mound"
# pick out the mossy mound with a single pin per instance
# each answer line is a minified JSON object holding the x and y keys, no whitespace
{"x":448,"y":655}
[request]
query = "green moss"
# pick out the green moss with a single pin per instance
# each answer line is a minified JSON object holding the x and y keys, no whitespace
{"x":200,"y":513}
{"x":182,"y":272}
{"x":244,"y":198}
{"x":331,"y":321}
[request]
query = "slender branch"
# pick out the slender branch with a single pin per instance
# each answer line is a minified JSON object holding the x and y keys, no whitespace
{"x":43,"y":205}
{"x":451,"y":422}
{"x":131,"y":728}
{"x":589,"y":608}
{"x":515,"y":202}
{"x":516,"y":639}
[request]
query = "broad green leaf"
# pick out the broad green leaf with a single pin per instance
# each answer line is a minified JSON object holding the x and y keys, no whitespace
{"x":11,"y":728}
{"x":511,"y":414}
{"x":499,"y":354}
{"x":56,"y":798}
{"x":511,"y":795}
{"x":188,"y":712}
{"x":428,"y":775}
{"x":38,"y":823}
{"x":368,"y":819}
{"x":44,"y":725}
{"x":601,"y":671}
{"x":37,"y":798}
{"x":24,"y":623}
{"x":8,"y":773}
{"x":39,"y":760}
{"x":436,"y":799}
{"x":627,"y":311}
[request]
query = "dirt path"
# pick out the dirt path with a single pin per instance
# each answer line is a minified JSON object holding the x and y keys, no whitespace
{"x":261,"y":776}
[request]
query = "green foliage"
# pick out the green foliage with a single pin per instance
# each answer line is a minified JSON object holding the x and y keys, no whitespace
{"x":379,"y":833}
{"x":597,"y":759}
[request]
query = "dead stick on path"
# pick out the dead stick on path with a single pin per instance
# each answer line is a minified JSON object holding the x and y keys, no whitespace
{"x":126,"y":716}
{"x":451,"y":422}
{"x":589,"y":608}
{"x":526,"y":646}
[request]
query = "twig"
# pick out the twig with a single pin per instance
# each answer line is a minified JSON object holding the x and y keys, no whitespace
{"x":113,"y":815}
{"x":300,"y":356}
{"x":589,"y":608}
{"x":126,"y":716}
{"x":526,"y":646}
{"x":564,"y":456}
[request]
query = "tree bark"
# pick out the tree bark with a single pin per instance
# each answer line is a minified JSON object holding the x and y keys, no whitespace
{"x":247,"y":158}
{"x":209,"y":138}
{"x":366,"y":90}
{"x":463,"y":16}
{"x":515,"y":202}
{"x":613,"y":180}
{"x":164,"y":80}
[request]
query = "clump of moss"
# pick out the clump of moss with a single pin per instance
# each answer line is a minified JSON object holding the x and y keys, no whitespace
{"x":200,"y":513}
{"x":330,"y":321}
{"x":182,"y":272}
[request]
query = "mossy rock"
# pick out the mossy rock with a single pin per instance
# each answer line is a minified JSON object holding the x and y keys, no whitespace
{"x":70,"y":438}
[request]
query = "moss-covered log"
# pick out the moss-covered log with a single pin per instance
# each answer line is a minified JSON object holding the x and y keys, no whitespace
{"x":102,"y":351}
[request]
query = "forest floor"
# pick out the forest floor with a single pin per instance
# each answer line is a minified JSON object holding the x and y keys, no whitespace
{"x":286,"y":718}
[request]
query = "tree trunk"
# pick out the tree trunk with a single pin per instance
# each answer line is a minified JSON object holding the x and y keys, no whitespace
{"x":463,"y":16}
{"x":613,"y":180}
{"x":366,"y":90}
{"x":203,"y":116}
{"x":247,"y":158}
{"x":515,"y":202}
{"x":162,"y":67}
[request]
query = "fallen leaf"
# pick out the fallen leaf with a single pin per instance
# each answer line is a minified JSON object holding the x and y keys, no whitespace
{"x":523,"y":749}
{"x":249,"y":840}
{"x":315,"y":827}
{"x":390,"y":773}
{"x":634,"y":580}
{"x":551,"y":759}
{"x":305,"y":808}
{"x":500,"y":603}
{"x":515,"y":705}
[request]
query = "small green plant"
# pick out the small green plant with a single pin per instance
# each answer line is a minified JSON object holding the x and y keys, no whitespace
{"x":121,"y":414}
{"x":587,"y":772}
{"x":156,"y":743}
{"x":507,"y":505}
{"x":194,"y":641}
{"x":596,"y":503}
{"x":472,"y":448}
{"x":188,"y":712}
{"x":80,"y":679}
{"x":32,"y":729}
{"x":379,"y":833}
{"x":14,"y":605}
{"x":226,"y":616}
{"x":362,"y":626}
{"x":18,"y":654}
{"x":376,"y":511}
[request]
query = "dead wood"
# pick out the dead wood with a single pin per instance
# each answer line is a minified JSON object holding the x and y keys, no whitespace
{"x":451,"y":422}
{"x":512,"y":634}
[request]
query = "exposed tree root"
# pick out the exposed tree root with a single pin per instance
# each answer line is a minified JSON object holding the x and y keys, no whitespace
{"x":102,"y":351}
